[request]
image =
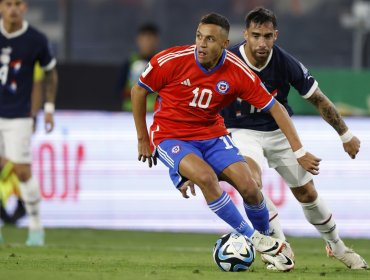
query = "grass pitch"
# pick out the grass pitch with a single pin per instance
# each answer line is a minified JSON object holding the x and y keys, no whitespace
{"x":102,"y":254}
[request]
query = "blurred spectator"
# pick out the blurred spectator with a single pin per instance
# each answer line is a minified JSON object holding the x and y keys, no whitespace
{"x":11,"y":186}
{"x":147,"y":41}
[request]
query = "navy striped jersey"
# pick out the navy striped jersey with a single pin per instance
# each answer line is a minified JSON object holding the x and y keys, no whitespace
{"x":279,"y":73}
{"x":19,"y":51}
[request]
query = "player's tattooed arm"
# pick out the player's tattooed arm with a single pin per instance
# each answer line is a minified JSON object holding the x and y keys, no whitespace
{"x":330,"y":114}
{"x":328,"y":111}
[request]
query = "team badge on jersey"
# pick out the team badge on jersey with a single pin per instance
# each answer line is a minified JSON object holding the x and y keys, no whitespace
{"x":175,"y":149}
{"x":222,"y":87}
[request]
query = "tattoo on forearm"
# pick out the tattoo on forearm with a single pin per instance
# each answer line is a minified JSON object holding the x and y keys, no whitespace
{"x":329,"y":112}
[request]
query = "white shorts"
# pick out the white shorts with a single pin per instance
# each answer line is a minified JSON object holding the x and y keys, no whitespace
{"x":273,"y":146}
{"x":15,"y":139}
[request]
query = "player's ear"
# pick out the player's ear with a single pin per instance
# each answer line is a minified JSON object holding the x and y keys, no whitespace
{"x":25,"y":6}
{"x":276,"y":33}
{"x":245,"y":34}
{"x":226,"y":44}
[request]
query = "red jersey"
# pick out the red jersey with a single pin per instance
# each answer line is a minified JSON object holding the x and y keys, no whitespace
{"x":190,"y":97}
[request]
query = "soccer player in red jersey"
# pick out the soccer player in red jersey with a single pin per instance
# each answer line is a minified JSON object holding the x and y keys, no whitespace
{"x":189,"y":136}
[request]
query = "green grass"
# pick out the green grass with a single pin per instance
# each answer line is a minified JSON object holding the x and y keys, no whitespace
{"x":102,"y":254}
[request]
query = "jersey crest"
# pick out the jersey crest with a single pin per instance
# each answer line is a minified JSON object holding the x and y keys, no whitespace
{"x":222,"y":87}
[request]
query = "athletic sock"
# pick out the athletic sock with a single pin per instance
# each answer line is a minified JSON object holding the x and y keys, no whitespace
{"x":227,"y":211}
{"x":274,"y":220}
{"x":31,"y":196}
{"x":318,"y":214}
{"x":259,"y":216}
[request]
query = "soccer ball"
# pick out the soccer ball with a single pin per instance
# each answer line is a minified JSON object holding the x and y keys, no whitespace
{"x":234,"y":252}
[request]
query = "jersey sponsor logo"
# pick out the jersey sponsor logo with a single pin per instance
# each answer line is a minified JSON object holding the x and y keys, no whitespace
{"x":222,"y":87}
{"x":186,"y":83}
{"x":176,"y":149}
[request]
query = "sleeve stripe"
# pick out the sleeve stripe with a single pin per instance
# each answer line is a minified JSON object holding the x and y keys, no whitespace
{"x":50,"y":66}
{"x":242,"y":67}
{"x":148,"y":88}
{"x":311,"y":91}
{"x":242,"y":62}
{"x":269,"y":104}
{"x":172,"y":56}
{"x":164,"y":57}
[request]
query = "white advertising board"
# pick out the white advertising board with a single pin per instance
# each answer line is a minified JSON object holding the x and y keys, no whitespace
{"x":90,"y":177}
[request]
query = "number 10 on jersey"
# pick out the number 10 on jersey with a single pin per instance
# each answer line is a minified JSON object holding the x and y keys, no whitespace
{"x":201,"y":99}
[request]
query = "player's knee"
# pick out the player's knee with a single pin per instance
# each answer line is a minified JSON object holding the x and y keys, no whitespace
{"x":258,"y":181}
{"x":207,"y":180}
{"x":23,"y":172}
{"x":250,"y":191}
{"x":30,"y":191}
{"x":306,"y":193}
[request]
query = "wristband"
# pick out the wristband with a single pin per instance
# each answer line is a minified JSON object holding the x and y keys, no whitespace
{"x":49,"y":107}
{"x":299,"y":153}
{"x":346,"y":137}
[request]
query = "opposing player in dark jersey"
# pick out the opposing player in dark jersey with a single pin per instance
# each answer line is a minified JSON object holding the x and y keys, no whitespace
{"x":257,"y":134}
{"x":21,"y":46}
{"x":188,"y":134}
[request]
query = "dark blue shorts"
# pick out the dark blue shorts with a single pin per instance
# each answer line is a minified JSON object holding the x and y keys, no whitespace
{"x":219,"y":153}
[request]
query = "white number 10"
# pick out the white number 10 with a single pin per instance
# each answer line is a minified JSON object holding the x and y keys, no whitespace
{"x":198,"y":102}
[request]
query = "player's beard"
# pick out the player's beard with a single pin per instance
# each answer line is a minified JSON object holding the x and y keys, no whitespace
{"x":261,"y":58}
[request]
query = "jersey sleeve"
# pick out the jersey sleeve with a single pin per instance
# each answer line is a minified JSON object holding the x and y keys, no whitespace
{"x":254,"y":92}
{"x":300,"y":78}
{"x":46,"y":59}
{"x":154,"y":75}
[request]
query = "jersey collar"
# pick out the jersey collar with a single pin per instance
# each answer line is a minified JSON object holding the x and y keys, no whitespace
{"x":242,"y":52}
{"x":13,"y":34}
{"x":219,"y":64}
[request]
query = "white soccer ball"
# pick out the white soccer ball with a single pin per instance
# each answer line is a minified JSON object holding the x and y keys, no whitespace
{"x":234,"y":252}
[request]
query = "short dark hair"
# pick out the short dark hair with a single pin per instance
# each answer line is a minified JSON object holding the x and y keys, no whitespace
{"x":148,"y":28}
{"x":260,"y":15}
{"x":217,"y":19}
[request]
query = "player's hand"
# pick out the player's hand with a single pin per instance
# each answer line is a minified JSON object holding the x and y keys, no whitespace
{"x":145,"y":153}
{"x":184,"y":189}
{"x":49,"y":122}
{"x":310,"y":163}
{"x":352,"y":147}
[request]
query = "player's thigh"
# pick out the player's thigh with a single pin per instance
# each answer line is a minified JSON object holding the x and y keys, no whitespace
{"x":230,"y":165}
{"x":249,"y":143}
{"x":17,"y":140}
{"x":281,"y":157}
{"x":221,"y":152}
{"x":185,"y":162}
{"x":294,"y":175}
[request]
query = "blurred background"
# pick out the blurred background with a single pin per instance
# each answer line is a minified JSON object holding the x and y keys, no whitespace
{"x":88,"y":169}
{"x":92,"y":38}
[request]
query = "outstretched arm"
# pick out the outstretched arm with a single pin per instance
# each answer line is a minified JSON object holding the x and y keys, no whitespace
{"x":51,"y":84}
{"x":308,"y":161}
{"x":138,"y":100}
{"x":329,"y":113}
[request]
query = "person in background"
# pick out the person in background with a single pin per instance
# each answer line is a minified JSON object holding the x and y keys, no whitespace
{"x":10,"y":186}
{"x":21,"y":46}
{"x":147,"y":41}
{"x":258,"y":136}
